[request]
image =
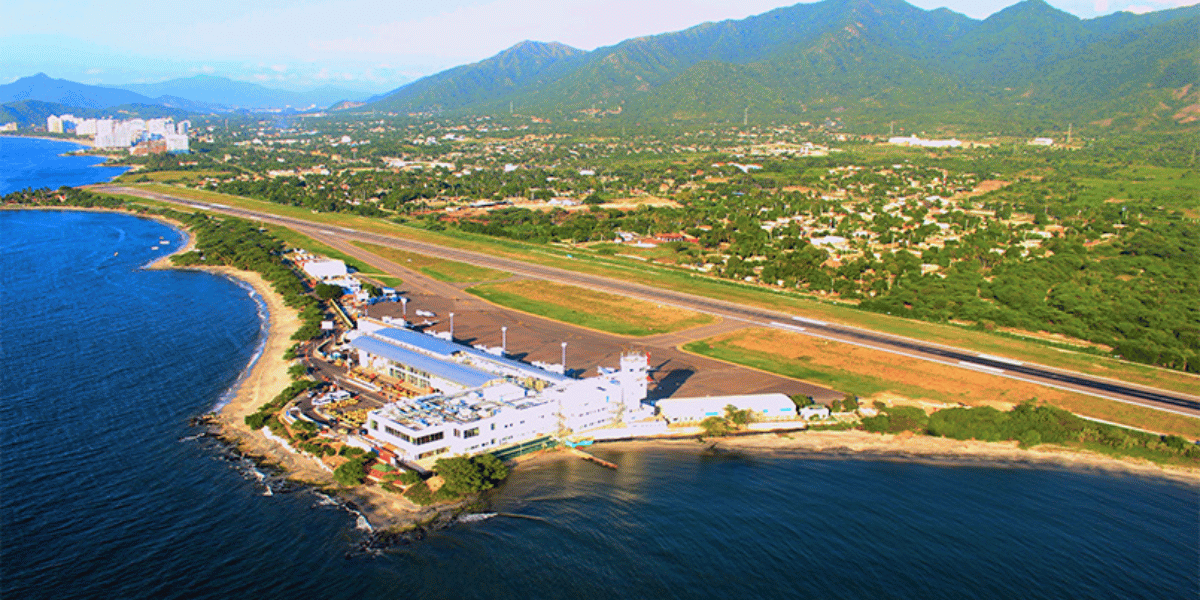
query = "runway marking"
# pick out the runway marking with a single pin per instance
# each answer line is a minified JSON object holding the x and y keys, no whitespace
{"x":976,"y":367}
{"x":810,"y":321}
{"x":1001,"y":359}
{"x":786,"y":326}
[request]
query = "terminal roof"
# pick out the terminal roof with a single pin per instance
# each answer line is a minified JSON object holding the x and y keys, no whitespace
{"x":463,"y":375}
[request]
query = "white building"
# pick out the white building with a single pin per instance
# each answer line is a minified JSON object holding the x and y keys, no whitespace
{"x":479,"y":401}
{"x":54,"y":124}
{"x":918,"y":142}
{"x":325,"y":269}
{"x":86,"y":127}
{"x":176,"y":143}
{"x":764,"y":407}
{"x":104,"y":134}
{"x":1042,"y":141}
{"x":814,"y":411}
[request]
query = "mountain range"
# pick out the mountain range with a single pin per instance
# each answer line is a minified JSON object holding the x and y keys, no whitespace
{"x":224,"y":92}
{"x":871,"y":61}
{"x":30,"y":99}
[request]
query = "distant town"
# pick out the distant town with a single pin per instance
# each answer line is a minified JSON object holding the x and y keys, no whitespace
{"x":139,"y":136}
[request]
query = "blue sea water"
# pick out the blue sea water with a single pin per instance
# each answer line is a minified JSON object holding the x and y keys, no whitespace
{"x":39,"y":163}
{"x":104,"y":493}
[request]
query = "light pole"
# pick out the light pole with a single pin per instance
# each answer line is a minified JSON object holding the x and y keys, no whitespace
{"x":503,"y":340}
{"x":564,"y":358}
{"x":452,"y":327}
{"x":404,"y":304}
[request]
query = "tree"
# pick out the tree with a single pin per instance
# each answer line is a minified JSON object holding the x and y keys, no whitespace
{"x":326,"y":291}
{"x":715,"y":427}
{"x":738,"y":417}
{"x":350,"y":473}
{"x":297,"y":371}
{"x":850,"y":402}
{"x":464,"y":476}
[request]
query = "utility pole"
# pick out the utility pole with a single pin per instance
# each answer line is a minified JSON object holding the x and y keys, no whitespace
{"x":510,"y":107}
{"x":746,"y":116}
{"x":1070,"y":126}
{"x":892,"y":129}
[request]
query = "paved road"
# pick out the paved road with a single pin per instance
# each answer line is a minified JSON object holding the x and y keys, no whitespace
{"x":1171,"y":401}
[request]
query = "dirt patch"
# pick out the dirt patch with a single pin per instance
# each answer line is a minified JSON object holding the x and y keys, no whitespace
{"x":589,"y":308}
{"x":1187,"y":114}
{"x":634,"y":202}
{"x":983,"y":187}
{"x":1057,"y":337}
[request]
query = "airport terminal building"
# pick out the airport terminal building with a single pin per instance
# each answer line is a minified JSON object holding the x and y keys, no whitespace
{"x":478,"y":402}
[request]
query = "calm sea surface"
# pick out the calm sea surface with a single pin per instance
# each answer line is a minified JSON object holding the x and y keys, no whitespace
{"x":35,"y":163}
{"x":104,"y":493}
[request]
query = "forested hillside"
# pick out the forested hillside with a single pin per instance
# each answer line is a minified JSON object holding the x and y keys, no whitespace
{"x":862,"y":62}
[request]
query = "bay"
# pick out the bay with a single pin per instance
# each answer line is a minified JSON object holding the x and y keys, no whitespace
{"x":41,"y":163}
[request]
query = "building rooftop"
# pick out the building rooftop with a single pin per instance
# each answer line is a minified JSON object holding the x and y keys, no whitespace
{"x":446,"y":349}
{"x":463,"y":375}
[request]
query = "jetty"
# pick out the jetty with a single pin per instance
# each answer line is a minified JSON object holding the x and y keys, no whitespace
{"x":589,"y":457}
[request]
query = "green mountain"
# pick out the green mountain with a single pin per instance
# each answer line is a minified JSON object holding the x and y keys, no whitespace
{"x":868,"y":61}
{"x":521,"y":67}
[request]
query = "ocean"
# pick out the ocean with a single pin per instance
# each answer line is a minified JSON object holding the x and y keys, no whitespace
{"x":38,"y":163}
{"x":107,"y":492}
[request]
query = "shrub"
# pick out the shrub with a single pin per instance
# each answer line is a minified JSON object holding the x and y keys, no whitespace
{"x":715,"y":427}
{"x":410,"y":477}
{"x":420,"y":494}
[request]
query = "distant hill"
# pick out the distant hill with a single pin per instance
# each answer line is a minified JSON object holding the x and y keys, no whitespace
{"x":228,"y":93}
{"x":870,"y":60}
{"x":42,"y":87}
{"x":26,"y":113}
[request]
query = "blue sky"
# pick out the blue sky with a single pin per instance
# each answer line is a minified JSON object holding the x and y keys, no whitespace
{"x":371,"y":45}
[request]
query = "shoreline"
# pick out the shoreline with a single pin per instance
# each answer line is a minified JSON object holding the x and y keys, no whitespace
{"x":388,"y":513}
{"x":937,"y":450}
{"x":89,"y":142}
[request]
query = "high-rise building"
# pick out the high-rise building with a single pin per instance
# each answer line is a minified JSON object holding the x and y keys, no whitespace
{"x":54,"y":124}
{"x":104,"y":134}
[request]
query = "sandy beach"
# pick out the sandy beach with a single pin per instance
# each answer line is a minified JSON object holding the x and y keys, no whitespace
{"x":922,"y":447}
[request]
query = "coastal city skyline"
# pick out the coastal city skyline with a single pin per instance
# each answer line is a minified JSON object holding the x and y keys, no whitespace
{"x":362,"y":45}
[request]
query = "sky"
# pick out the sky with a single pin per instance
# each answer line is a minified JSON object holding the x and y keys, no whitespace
{"x":365,"y":45}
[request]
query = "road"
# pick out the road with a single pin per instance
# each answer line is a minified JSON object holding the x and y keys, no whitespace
{"x":1170,"y":401}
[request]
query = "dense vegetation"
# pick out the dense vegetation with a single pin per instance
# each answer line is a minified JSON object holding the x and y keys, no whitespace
{"x":864,"y":63}
{"x":463,"y":476}
{"x":1031,"y":425}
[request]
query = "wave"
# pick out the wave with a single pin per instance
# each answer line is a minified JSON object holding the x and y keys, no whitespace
{"x":475,"y":518}
{"x":264,"y":329}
